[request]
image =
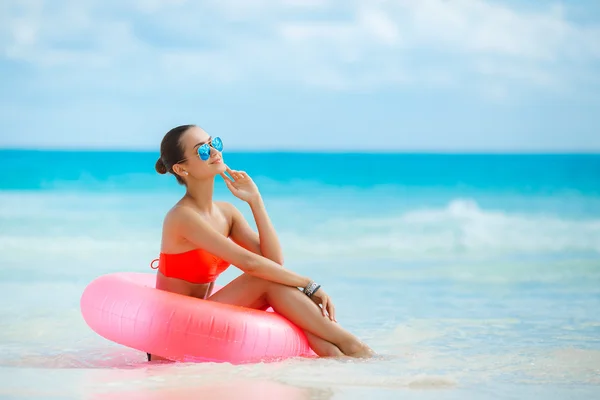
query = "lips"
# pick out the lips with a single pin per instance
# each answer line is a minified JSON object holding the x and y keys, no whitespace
{"x":218,"y":160}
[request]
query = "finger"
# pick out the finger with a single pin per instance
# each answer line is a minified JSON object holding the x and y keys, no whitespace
{"x":225,"y":178}
{"x":331,"y":311}
{"x":324,"y":307}
{"x":230,"y":186}
{"x":228,"y":170}
{"x":244,"y":175}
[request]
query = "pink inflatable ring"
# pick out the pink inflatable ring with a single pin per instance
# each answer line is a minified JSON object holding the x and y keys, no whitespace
{"x":126,"y":308}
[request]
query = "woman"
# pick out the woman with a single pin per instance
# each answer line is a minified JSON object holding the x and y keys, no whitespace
{"x":201,"y":238}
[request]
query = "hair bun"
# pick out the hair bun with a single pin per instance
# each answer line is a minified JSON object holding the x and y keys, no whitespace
{"x":160,"y":166}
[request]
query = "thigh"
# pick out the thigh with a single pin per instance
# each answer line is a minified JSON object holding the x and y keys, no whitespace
{"x":245,"y":291}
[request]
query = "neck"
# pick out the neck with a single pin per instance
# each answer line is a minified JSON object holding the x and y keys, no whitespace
{"x":201,"y":193}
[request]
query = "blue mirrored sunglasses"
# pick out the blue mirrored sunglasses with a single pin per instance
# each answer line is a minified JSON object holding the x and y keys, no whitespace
{"x":204,"y":150}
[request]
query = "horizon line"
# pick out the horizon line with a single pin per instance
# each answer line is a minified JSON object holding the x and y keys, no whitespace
{"x":457,"y":151}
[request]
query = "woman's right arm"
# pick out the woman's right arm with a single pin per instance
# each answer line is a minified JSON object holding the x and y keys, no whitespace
{"x":197,"y":231}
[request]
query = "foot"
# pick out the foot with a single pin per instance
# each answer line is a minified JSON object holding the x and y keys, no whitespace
{"x":358,"y":349}
{"x":364,"y":352}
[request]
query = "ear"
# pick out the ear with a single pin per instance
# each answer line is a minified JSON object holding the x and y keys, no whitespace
{"x":179,"y":170}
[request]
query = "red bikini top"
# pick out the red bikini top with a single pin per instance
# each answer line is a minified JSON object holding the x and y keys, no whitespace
{"x":194,"y":266}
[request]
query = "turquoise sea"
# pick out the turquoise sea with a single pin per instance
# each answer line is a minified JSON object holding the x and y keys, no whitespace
{"x":474,"y":275}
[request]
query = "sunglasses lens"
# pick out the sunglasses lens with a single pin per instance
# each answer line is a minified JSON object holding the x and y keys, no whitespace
{"x":204,"y":152}
{"x":217,"y":143}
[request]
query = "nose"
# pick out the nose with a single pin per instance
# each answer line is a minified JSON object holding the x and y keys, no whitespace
{"x":214,"y":153}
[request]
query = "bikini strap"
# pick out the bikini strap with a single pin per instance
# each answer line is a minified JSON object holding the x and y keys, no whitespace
{"x":152,"y":264}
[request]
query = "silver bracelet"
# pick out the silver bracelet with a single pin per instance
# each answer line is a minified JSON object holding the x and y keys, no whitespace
{"x":314,"y":291}
{"x":308,"y":287}
{"x":311,"y":288}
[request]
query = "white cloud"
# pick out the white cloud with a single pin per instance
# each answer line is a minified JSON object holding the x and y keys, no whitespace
{"x":478,"y":26}
{"x":339,"y":45}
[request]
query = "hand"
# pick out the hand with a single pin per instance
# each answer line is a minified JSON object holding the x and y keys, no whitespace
{"x":327,"y":308}
{"x":241,"y":186}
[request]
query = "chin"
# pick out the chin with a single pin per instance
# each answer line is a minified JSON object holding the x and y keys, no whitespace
{"x":220,"y":166}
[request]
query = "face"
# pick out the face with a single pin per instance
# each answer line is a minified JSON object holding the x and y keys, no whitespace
{"x":202,"y":158}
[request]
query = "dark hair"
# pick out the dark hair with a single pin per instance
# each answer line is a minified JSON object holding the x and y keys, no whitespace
{"x":171,"y":151}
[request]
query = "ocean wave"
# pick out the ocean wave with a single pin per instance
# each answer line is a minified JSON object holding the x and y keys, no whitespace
{"x":121,"y":235}
{"x":461,"y":228}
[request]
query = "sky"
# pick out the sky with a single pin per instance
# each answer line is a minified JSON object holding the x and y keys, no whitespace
{"x":309,"y":75}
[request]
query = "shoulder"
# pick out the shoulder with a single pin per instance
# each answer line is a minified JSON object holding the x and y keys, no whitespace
{"x":228,"y":209}
{"x":180,"y":213}
{"x":225,"y":206}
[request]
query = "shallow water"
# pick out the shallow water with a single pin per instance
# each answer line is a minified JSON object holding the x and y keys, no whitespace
{"x":465,"y":286}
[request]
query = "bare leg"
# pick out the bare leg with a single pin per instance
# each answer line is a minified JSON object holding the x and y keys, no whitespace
{"x":249,"y":291}
{"x":322,"y":347}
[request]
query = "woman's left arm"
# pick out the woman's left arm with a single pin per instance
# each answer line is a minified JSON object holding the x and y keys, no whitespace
{"x":269,"y":242}
{"x":266,"y":242}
